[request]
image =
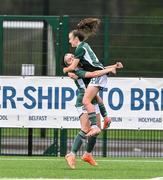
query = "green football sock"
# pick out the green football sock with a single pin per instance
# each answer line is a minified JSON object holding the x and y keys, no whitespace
{"x":78,"y":141}
{"x":91,"y":143}
{"x":102,"y":109}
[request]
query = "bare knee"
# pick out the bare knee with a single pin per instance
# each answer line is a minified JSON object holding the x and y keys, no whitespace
{"x":86,"y":102}
{"x":86,"y":129}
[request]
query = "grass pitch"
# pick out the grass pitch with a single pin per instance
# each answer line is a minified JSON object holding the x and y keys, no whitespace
{"x":56,"y":168}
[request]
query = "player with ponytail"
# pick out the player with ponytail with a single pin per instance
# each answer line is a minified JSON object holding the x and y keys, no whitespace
{"x":89,"y":61}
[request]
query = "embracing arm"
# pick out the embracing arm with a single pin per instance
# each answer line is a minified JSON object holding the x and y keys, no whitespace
{"x":100,"y":72}
{"x":71,"y":67}
{"x":72,"y":75}
{"x":118,"y":65}
{"x":80,"y":73}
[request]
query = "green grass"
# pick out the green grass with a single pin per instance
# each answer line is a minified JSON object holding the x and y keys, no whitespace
{"x":111,"y":168}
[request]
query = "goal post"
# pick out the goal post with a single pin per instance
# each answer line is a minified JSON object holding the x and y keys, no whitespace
{"x":29,"y":40}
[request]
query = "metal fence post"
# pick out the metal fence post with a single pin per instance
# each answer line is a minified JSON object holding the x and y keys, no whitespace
{"x":63,"y":142}
{"x":64,"y":49}
{"x":30,"y":141}
{"x":106,"y":40}
{"x":104,"y":143}
{"x":106,"y":60}
{"x":1,"y":45}
{"x":61,"y":43}
{"x":0,"y":141}
{"x":55,"y":142}
{"x":64,"y":36}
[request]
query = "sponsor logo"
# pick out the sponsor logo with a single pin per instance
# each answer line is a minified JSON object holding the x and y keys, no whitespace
{"x":37,"y":118}
{"x":116,"y":119}
{"x":70,"y":118}
{"x":150,"y":120}
{"x":59,"y":97}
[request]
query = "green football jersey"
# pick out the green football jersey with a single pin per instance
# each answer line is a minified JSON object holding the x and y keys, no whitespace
{"x":87,"y":57}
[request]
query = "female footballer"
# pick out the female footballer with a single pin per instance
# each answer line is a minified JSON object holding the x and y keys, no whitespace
{"x":89,"y":61}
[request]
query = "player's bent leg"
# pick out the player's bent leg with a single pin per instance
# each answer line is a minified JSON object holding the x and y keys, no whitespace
{"x":71,"y":161}
{"x":70,"y":158}
{"x":87,"y":157}
{"x":94,"y":130}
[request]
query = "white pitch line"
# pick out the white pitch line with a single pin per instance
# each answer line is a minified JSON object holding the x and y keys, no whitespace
{"x":157,"y":178}
{"x":100,"y":160}
{"x":131,"y":160}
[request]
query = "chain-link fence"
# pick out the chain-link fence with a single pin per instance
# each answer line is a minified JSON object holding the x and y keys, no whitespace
{"x":40,"y":43}
{"x":56,"y":142}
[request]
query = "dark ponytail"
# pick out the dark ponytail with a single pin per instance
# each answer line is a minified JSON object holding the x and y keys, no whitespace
{"x":89,"y":26}
{"x":86,"y":28}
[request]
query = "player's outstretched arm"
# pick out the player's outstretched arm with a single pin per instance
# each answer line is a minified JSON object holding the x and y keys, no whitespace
{"x":100,"y":72}
{"x":118,"y":65}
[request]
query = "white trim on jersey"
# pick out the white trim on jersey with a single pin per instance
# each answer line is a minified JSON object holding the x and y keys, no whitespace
{"x":89,"y":59}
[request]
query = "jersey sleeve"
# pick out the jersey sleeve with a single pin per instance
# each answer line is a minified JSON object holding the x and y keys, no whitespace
{"x":79,"y":53}
{"x":80,"y":73}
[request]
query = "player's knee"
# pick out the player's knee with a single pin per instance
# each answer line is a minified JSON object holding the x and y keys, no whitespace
{"x":86,"y":102}
{"x":85,"y":129}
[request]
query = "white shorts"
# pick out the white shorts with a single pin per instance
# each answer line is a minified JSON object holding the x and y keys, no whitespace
{"x":100,"y":81}
{"x":82,"y":110}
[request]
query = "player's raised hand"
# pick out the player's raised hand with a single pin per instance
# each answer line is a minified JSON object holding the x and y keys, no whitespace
{"x":119,"y":65}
